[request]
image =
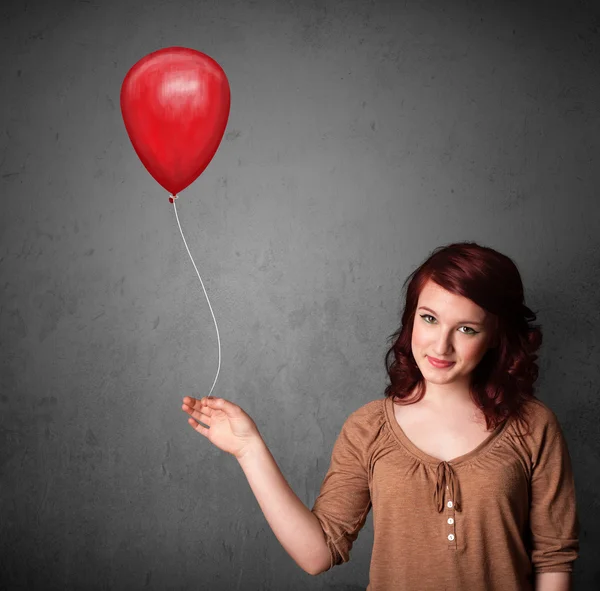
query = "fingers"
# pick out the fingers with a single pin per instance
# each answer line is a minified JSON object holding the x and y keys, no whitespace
{"x":193,"y":402}
{"x":221,"y":404}
{"x":198,"y":427}
{"x":198,"y":411}
{"x":198,"y":403}
{"x":202,"y":410}
{"x":208,"y":403}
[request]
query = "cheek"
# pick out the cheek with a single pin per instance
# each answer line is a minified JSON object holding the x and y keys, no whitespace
{"x":419,"y":338}
{"x":473,"y":352}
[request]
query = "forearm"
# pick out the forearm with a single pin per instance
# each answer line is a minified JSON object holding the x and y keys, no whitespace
{"x":553,"y":582}
{"x":295,"y":526}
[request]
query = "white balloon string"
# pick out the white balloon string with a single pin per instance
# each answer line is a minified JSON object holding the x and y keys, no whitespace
{"x":172,"y":199}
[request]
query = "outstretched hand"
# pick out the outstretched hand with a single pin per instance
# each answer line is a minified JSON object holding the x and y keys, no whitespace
{"x":229,"y":427}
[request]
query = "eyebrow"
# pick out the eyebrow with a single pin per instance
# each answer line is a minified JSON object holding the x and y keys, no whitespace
{"x":460,"y":322}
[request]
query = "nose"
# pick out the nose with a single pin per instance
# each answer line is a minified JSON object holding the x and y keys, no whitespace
{"x":443,"y":345}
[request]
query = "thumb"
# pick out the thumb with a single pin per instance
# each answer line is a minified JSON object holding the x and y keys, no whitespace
{"x":221,"y":403}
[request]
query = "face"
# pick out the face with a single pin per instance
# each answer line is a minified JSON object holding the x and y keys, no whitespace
{"x":453,"y":328}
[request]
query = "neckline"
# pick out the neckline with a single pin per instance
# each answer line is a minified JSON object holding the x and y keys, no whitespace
{"x":424,"y":457}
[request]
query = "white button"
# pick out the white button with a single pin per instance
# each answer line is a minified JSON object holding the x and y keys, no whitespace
{"x":450,"y":504}
{"x":451,"y":537}
{"x":450,"y":520}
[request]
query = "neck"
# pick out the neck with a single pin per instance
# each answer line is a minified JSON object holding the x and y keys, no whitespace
{"x":447,"y":397}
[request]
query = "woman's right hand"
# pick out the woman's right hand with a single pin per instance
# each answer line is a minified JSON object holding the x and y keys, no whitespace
{"x":230,"y":428}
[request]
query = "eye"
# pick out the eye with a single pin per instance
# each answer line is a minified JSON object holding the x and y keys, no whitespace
{"x":473,"y":332}
{"x":469,"y":328}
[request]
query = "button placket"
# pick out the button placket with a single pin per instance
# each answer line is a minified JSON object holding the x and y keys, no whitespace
{"x":450,"y":522}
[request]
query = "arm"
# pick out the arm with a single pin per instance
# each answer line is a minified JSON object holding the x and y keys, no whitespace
{"x":553,"y":582}
{"x":295,"y":526}
{"x":554,"y":522}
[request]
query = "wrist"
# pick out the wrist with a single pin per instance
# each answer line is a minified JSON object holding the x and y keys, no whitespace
{"x":251,"y":450}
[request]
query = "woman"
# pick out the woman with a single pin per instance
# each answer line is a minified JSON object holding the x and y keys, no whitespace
{"x":467,"y":472}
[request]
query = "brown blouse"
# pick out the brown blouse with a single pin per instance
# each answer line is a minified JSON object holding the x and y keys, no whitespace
{"x":489,"y":519}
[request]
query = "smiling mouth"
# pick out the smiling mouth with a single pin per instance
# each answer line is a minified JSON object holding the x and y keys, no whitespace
{"x":439,"y":363}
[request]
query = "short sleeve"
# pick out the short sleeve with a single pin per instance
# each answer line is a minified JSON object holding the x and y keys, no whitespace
{"x":553,"y":513}
{"x":344,"y":500}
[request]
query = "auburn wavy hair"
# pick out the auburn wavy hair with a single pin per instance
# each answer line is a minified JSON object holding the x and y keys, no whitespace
{"x":504,"y":378}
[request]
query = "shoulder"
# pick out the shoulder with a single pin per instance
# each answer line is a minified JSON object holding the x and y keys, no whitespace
{"x":540,"y":416}
{"x":371,"y":411}
{"x":366,"y":420}
{"x":541,"y":429}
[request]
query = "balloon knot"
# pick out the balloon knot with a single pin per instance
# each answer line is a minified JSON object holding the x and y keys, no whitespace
{"x":172,"y":198}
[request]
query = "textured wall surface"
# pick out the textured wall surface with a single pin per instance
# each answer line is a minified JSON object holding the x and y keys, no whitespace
{"x":362,"y":135}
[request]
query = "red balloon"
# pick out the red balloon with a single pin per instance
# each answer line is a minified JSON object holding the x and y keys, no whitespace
{"x":175,"y":105}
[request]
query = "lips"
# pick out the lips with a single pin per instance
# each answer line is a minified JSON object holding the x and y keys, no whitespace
{"x":439,"y":363}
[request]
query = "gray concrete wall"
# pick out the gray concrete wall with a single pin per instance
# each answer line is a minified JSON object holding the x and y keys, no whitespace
{"x":362,"y":135}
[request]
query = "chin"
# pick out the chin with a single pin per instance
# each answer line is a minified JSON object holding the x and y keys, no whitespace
{"x":441,"y":380}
